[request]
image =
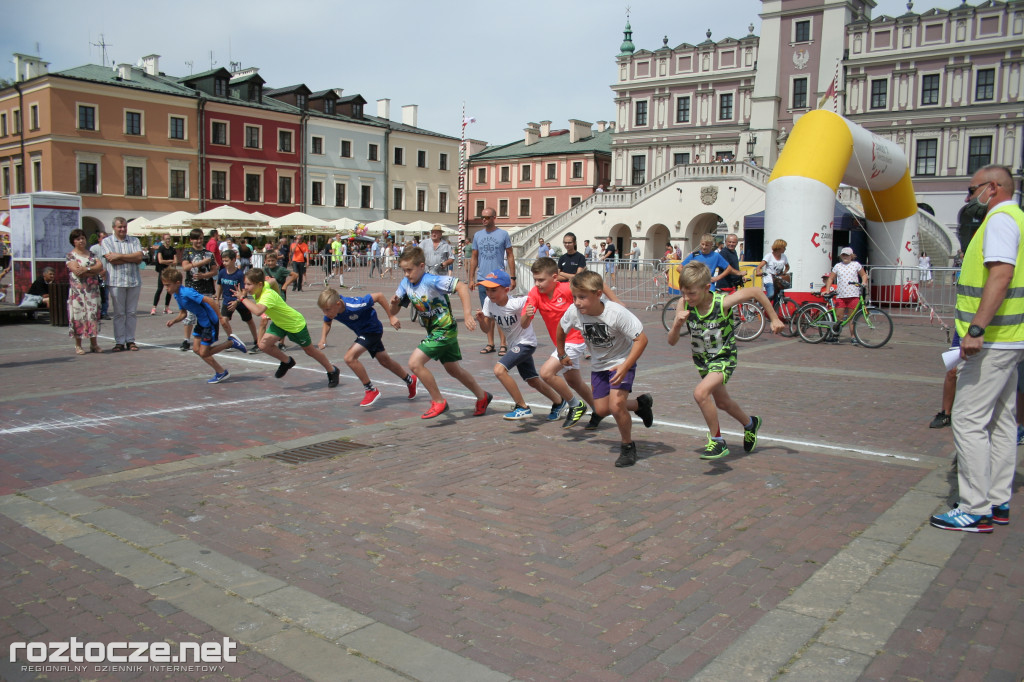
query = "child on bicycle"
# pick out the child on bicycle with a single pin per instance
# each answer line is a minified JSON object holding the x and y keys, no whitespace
{"x":845,"y":274}
{"x":708,"y":315}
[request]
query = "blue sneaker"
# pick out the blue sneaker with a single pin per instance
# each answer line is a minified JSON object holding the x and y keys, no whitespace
{"x":1001,"y":514}
{"x":556,"y":411}
{"x":957,"y":519}
{"x":238,"y":344}
{"x":1020,"y":434}
{"x":217,"y":378}
{"x":518,"y":413}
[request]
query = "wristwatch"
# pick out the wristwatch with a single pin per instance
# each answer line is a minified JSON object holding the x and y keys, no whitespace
{"x":974,"y":331}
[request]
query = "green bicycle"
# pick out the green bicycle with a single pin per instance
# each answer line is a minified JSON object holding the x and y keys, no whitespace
{"x":815,"y":322}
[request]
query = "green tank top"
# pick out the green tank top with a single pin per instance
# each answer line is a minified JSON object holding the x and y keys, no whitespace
{"x":711,"y":334}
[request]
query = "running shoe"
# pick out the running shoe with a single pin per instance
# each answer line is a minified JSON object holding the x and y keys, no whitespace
{"x":283,"y":368}
{"x":436,"y":409}
{"x":715,"y":449}
{"x":943,"y":419}
{"x":518,"y":413}
{"x":238,"y":344}
{"x":957,"y":519}
{"x":255,"y":349}
{"x":575,"y":413}
{"x":167,"y":311}
{"x":369,"y":398}
{"x":217,"y":378}
{"x":333,"y":377}
{"x":627,"y":455}
{"x":595,"y":421}
{"x":481,"y":405}
{"x":412,"y":387}
{"x":750,"y":436}
{"x":1001,"y":514}
{"x":645,"y":403}
{"x":1020,"y":434}
{"x":185,"y":345}
{"x":153,"y":311}
{"x":556,"y":410}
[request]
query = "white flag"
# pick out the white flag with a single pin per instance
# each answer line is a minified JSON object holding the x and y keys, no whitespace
{"x":466,"y":120}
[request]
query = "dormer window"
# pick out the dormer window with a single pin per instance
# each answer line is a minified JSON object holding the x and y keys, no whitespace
{"x":301,"y":101}
{"x":328,"y":106}
{"x":220,"y":87}
{"x":357,"y":110}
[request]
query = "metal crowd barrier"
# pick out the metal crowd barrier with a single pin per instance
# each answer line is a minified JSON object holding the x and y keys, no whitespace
{"x":911,"y":292}
{"x":636,"y":283}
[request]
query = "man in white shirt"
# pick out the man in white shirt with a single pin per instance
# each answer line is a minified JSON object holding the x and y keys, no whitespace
{"x":122,"y":255}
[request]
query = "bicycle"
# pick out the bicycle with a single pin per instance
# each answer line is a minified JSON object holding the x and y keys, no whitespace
{"x":748,"y":318}
{"x":816,"y":322}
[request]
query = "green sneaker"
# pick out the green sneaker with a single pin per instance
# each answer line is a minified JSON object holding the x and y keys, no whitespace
{"x":715,"y":449}
{"x":750,"y":436}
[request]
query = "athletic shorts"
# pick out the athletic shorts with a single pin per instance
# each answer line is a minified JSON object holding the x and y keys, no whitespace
{"x":850,"y":302}
{"x":241,"y":309}
{"x":300,"y":337}
{"x":520,"y":357}
{"x":441,"y":349}
{"x":372,"y":343}
{"x":207,"y":335}
{"x":575,"y":351}
{"x":599,"y":382}
{"x":724,"y":366}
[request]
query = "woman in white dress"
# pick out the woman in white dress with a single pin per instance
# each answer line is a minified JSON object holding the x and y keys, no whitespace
{"x":924,"y":264}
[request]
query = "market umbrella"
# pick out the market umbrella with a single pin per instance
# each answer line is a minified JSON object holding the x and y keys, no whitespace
{"x":378,"y":227}
{"x":139,"y":227}
{"x":345,"y":225}
{"x":176,"y":223}
{"x":225,"y":217}
{"x":298,"y":222}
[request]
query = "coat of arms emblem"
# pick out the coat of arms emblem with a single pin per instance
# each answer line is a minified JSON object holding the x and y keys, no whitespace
{"x":708,"y":195}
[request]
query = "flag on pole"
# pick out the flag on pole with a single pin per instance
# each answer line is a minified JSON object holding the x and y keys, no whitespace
{"x":466,"y":120}
{"x":831,"y":92}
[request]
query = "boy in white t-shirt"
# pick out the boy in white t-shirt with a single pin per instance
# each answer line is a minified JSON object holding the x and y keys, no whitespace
{"x":615,"y":339}
{"x":845,"y":274}
{"x":522,"y":342}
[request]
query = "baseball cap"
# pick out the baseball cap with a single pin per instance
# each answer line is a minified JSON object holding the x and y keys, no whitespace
{"x":846,"y":251}
{"x":498,"y":278}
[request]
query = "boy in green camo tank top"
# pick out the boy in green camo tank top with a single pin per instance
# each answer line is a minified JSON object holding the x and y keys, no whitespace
{"x":708,"y":316}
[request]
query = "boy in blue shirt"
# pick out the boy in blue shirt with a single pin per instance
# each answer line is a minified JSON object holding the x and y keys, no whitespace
{"x":707,"y":255}
{"x":359,"y":315}
{"x":229,"y":278}
{"x":204,"y":332}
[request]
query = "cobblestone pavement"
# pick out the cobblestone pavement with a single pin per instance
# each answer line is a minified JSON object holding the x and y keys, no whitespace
{"x":138,"y":503}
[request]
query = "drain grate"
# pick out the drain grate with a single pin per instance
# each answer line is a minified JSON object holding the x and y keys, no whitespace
{"x":311,"y":453}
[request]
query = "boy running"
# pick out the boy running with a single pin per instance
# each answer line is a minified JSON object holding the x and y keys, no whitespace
{"x":283,"y":276}
{"x":228,"y":279}
{"x":284,"y":321}
{"x":708,"y":314}
{"x":616,"y":341}
{"x":429,"y":294}
{"x":204,"y":331}
{"x":200,"y":269}
{"x":522,"y":342}
{"x":359,"y":315}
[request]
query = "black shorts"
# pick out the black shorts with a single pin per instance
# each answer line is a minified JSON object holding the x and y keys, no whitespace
{"x":207,"y":335}
{"x":372,"y":343}
{"x":242,"y":310}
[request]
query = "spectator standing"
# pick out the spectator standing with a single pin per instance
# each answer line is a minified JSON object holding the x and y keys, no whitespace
{"x":97,"y":251}
{"x":122,"y":254}
{"x":492,"y":251}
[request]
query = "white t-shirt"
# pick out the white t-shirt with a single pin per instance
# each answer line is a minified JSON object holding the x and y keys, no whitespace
{"x":507,"y":317}
{"x":609,"y":336}
{"x":847,"y":277}
{"x":774,"y":266}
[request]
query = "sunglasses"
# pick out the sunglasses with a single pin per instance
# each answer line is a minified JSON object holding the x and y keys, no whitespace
{"x":974,"y":188}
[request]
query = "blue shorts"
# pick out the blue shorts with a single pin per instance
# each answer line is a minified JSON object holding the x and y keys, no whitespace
{"x":207,"y":335}
{"x":372,"y":343}
{"x":520,"y":357}
{"x":599,"y":382}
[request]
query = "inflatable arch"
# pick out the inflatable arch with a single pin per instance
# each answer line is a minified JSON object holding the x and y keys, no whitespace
{"x":823,"y":150}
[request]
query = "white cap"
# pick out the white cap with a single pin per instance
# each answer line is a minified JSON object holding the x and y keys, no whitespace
{"x":846,"y":251}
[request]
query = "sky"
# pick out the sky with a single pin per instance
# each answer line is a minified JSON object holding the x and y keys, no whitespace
{"x":507,"y":63}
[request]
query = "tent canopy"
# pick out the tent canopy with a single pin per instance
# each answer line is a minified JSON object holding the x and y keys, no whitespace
{"x":225,"y":216}
{"x":843,"y":217}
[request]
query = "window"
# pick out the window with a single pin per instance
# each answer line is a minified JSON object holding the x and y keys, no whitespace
{"x":133,"y":181}
{"x":641,"y":113}
{"x":985,"y":87}
{"x":802,"y":31}
{"x":930,"y":89}
{"x":219,"y":133}
{"x":339,"y":194}
{"x":577,"y":170}
{"x":442,"y":202}
{"x":397,"y":195}
{"x":33,"y":117}
{"x":3,"y":124}
{"x":552,"y":171}
{"x":357,"y":112}
{"x":373,"y":153}
{"x":549,"y":206}
{"x":284,"y":140}
{"x":421,"y":200}
{"x":681,"y":159}
{"x":328,"y":106}
{"x":365,"y":196}
{"x":524,"y":208}
{"x":6,"y":180}
{"x":502,"y":208}
{"x":481,"y":176}
{"x":252,"y":187}
{"x":317,"y":193}
{"x":178,"y":184}
{"x":421,"y":159}
{"x":639,"y":170}
{"x":799,"y":93}
{"x":979,"y":153}
{"x":683,"y":110}
{"x":252,"y":137}
{"x":505,"y":171}
{"x":574,"y":200}
{"x":88,"y":178}
{"x":177,"y":130}
{"x":301,"y":101}
{"x":346,"y":149}
{"x":927,"y":155}
{"x":442,"y":161}
{"x":316,"y":145}
{"x":879,"y":92}
{"x":220,"y":87}
{"x":132,"y":123}
{"x":37,"y":175}
{"x":725,"y":108}
{"x":19,"y":179}
{"x":86,"y":117}
{"x":479,"y":208}
{"x":399,"y":156}
{"x":525,"y":172}
{"x":219,"y":185}
{"x":284,"y":190}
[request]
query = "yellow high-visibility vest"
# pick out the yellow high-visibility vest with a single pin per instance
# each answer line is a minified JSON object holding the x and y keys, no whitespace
{"x":1008,"y":322}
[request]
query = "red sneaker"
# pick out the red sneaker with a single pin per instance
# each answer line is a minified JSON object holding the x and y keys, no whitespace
{"x":412,"y":387}
{"x":481,"y":405}
{"x":370,"y":398}
{"x":436,"y":409}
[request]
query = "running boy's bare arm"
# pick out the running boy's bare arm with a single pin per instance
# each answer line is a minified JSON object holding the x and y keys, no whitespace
{"x":757,"y":294}
{"x":619,"y":372}
{"x":682,"y":313}
{"x":379,"y":299}
{"x":463,"y":291}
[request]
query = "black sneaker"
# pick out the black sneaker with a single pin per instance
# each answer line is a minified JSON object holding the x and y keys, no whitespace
{"x":594,"y":422}
{"x":283,"y":368}
{"x":332,"y":377}
{"x":940,"y":420}
{"x":574,"y":414}
{"x":1001,"y":514}
{"x":627,"y":455}
{"x":185,"y":345}
{"x":644,"y":404}
{"x":715,"y":449}
{"x":750,"y":436}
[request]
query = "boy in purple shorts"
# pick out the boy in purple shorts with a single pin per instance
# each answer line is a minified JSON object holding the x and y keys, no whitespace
{"x":616,"y":340}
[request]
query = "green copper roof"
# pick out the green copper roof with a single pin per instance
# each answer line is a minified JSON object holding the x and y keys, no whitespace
{"x":549,"y":146}
{"x":627,"y":47}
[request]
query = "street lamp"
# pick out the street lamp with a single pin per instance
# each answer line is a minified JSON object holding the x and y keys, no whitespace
{"x":751,"y":141}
